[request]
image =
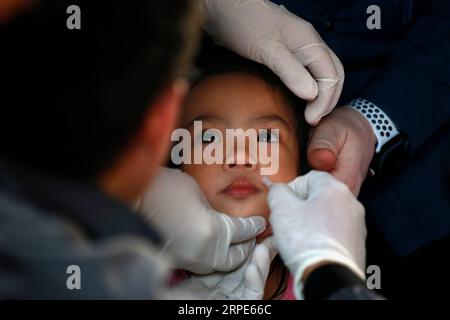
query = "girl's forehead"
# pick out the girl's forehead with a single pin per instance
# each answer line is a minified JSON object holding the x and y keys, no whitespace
{"x":236,"y":98}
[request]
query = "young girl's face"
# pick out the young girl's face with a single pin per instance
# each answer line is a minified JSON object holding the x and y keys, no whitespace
{"x":233,"y":101}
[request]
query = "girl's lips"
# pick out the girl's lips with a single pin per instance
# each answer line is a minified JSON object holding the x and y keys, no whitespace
{"x":240,"y":188}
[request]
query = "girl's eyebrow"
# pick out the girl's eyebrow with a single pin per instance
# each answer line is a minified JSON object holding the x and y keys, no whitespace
{"x":206,"y":118}
{"x":271,"y":118}
{"x":256,"y":120}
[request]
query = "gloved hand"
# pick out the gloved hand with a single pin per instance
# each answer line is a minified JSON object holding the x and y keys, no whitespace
{"x":316,"y":219}
{"x":269,"y":34}
{"x":200,"y":239}
{"x":245,"y":283}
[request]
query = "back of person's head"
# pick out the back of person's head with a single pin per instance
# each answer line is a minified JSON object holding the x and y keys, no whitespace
{"x":72,"y":99}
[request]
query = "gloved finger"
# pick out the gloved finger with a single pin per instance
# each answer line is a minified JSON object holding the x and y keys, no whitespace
{"x":257,"y":272}
{"x":236,"y":255}
{"x":261,"y":258}
{"x":209,"y":280}
{"x":243,"y":229}
{"x":322,"y":105}
{"x":317,"y":59}
{"x":323,"y":148}
{"x":280,"y":194}
{"x":312,"y":182}
{"x":253,"y":285}
{"x":269,"y":242}
{"x":341,"y":77}
{"x":299,"y":186}
{"x":293,"y":74}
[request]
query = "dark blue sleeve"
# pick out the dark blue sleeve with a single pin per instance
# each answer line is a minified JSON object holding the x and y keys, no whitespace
{"x":336,"y":282}
{"x":413,"y":88}
{"x":354,"y":293}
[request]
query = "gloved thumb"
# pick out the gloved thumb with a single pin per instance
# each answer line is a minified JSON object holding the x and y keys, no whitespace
{"x":323,"y":148}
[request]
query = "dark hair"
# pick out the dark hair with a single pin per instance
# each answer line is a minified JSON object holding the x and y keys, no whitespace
{"x":215,"y":60}
{"x":73,"y":99}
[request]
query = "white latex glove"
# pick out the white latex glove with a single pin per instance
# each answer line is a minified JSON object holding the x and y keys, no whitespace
{"x":315,"y":219}
{"x":245,"y":283}
{"x":269,"y":34}
{"x":200,"y":239}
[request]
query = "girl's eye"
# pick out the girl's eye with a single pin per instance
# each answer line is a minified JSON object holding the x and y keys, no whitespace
{"x":268,"y":135}
{"x":210,"y":136}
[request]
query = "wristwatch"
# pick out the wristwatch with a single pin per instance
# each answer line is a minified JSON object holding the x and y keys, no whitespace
{"x":390,"y":141}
